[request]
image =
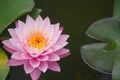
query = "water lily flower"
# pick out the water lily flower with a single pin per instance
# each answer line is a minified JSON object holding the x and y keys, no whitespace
{"x":37,"y":45}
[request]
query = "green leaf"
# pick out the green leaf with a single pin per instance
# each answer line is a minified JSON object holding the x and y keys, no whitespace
{"x":98,"y":58}
{"x":116,"y":69}
{"x":105,"y":29}
{"x":4,"y":69}
{"x":101,"y":56}
{"x":12,"y":9}
{"x":117,"y":9}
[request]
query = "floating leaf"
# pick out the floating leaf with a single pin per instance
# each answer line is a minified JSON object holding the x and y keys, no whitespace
{"x":4,"y":69}
{"x":117,"y":9}
{"x":101,"y":56}
{"x":11,"y":9}
{"x":98,"y":58}
{"x":116,"y":69}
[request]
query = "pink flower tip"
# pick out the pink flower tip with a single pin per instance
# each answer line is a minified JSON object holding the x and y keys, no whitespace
{"x":38,"y":45}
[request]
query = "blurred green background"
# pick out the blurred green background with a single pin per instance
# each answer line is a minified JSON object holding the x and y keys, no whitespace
{"x":76,"y":16}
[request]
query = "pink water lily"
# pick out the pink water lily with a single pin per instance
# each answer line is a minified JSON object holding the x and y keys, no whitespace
{"x":36,"y":44}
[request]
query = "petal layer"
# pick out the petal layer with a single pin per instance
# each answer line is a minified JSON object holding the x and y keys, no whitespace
{"x":43,"y":66}
{"x":14,"y":62}
{"x":27,"y":67}
{"x":54,"y":66}
{"x":35,"y":74}
{"x":34,"y":63}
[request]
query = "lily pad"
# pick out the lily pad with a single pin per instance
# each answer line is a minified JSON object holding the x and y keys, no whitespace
{"x":12,"y":9}
{"x":101,"y":56}
{"x":4,"y":69}
{"x":117,"y":9}
{"x":116,"y":69}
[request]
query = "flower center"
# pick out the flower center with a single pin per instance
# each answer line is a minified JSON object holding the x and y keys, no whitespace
{"x":37,"y":40}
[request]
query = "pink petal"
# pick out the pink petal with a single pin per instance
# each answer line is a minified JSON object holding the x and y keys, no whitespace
{"x":27,"y":67}
{"x":58,"y":46}
{"x":65,"y":55}
{"x":26,"y":56}
{"x":34,"y":63}
{"x":63,"y":52}
{"x":16,"y":23}
{"x":53,"y":57}
{"x":54,"y":66}
{"x":8,"y":49}
{"x":26,"y":32}
{"x":29,"y":20}
{"x":46,"y":26}
{"x":56,"y":28}
{"x":16,"y":44}
{"x":39,"y":22}
{"x":63,"y":38}
{"x":35,"y":74}
{"x":19,"y":33}
{"x":14,"y":62}
{"x":12,"y":33}
{"x":8,"y":44}
{"x":39,"y":19}
{"x":17,"y":55}
{"x":47,"y":51}
{"x":55,"y":37}
{"x":43,"y":58}
{"x":61,"y":28}
{"x":47,"y":20}
{"x":55,"y":47}
{"x":43,"y":66}
{"x":49,"y":34}
{"x":63,"y":44}
{"x":20,"y":24}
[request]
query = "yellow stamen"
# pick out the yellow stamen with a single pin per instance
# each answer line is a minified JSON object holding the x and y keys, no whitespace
{"x":37,"y":40}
